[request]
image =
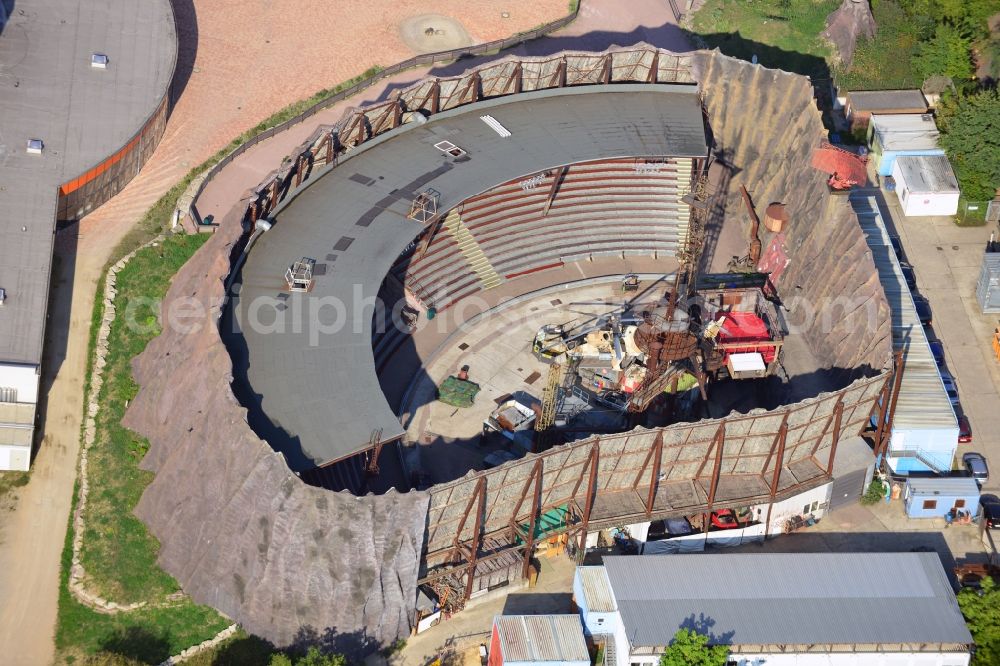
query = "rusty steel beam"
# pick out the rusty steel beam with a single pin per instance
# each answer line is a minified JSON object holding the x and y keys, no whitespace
{"x":536,"y":505}
{"x":826,"y":427}
{"x":708,"y":453}
{"x":397,"y":112}
{"x":518,"y":78}
{"x":480,"y":483}
{"x":654,"y":69}
{"x":556,"y":182}
{"x":436,"y":96}
{"x":776,"y":477}
{"x":755,"y":245}
{"x":720,"y":439}
{"x":838,"y":414}
{"x":328,"y":142}
{"x":524,"y":494}
{"x":897,"y":381}
{"x":299,"y":162}
{"x":606,"y":73}
{"x":655,"y":474}
{"x":595,"y":456}
{"x":774,"y":445}
{"x":561,"y":73}
{"x":470,"y":571}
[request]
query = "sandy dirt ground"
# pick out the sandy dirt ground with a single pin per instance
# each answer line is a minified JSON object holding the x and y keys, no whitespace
{"x":240,"y":61}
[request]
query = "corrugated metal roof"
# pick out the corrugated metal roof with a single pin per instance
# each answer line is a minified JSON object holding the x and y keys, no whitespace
{"x":922,"y":401}
{"x":541,"y":638}
{"x":596,"y":589}
{"x":788,"y":598}
{"x":927,"y":173}
{"x":955,"y":486}
{"x":906,"y":131}
{"x":886,"y":100}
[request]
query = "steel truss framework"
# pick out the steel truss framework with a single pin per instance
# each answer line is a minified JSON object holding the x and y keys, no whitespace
{"x":510,"y":76}
{"x":683,"y":469}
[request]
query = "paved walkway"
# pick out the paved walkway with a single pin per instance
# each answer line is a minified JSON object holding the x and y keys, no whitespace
{"x":946,"y":259}
{"x":230,"y":79}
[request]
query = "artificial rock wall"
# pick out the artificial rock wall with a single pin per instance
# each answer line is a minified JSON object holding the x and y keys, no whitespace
{"x":243,"y":534}
{"x":765,"y":125}
{"x":238,"y":530}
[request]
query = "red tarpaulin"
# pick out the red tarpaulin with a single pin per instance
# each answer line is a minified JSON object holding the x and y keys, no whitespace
{"x":845,"y":168}
{"x":746,"y":327}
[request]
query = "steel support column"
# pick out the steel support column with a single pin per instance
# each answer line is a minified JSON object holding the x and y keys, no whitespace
{"x":720,"y":444}
{"x":654,"y":69}
{"x":588,"y":505}
{"x":897,"y":380}
{"x":655,"y":474}
{"x":776,"y":476}
{"x":838,"y":414}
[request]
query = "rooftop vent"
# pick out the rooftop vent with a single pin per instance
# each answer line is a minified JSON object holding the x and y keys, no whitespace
{"x":35,"y":146}
{"x":98,"y":61}
{"x":495,"y":126}
{"x":300,"y":275}
{"x":450,"y":148}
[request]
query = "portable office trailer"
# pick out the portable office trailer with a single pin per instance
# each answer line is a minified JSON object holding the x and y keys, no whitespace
{"x":988,"y":285}
{"x":926,"y":185}
{"x":935,"y":497}
{"x":900,"y":134}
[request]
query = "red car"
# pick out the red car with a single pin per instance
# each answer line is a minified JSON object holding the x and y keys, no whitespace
{"x":964,"y":430}
{"x":724,"y":519}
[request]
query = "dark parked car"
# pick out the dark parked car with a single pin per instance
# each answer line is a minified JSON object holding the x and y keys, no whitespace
{"x":923,"y":310}
{"x":964,"y":430}
{"x":976,"y":464}
{"x":897,"y":246}
{"x":937,"y":351}
{"x":671,"y":527}
{"x":908,"y":275}
{"x":991,"y":510}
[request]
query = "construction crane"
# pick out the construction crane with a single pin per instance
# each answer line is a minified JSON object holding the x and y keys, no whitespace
{"x":546,"y":417}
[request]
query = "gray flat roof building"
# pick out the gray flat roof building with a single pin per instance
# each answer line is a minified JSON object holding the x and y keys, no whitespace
{"x":886,"y":101}
{"x":927,"y":173}
{"x":788,"y":599}
{"x":352,"y":220}
{"x":82,"y":114}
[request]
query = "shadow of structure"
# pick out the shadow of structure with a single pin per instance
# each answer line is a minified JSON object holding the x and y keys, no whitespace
{"x":6,"y":9}
{"x":186,"y":21}
{"x":138,"y":644}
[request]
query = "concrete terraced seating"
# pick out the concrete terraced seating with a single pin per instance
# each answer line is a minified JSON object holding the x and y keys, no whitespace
{"x":603,"y":208}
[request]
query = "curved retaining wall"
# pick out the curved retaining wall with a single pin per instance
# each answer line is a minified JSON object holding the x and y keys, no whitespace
{"x":242,"y":533}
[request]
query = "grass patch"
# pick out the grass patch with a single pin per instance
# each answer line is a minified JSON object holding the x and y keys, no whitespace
{"x":118,"y":553}
{"x":885,"y":62}
{"x":10,"y":481}
{"x":783,"y":34}
{"x":148,"y":636}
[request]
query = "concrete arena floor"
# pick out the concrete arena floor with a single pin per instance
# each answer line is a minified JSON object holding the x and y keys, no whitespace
{"x":497,"y":350}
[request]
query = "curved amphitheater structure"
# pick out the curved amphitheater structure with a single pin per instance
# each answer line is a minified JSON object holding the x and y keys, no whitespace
{"x":261,"y":433}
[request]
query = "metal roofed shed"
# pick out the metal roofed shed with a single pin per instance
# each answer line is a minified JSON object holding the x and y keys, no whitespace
{"x":894,"y":135}
{"x":988,"y":284}
{"x":871,"y":602}
{"x":538,"y":639}
{"x":862,"y":104}
{"x":936,"y":497}
{"x":926,"y":185}
{"x":924,"y":432}
{"x":549,"y":128}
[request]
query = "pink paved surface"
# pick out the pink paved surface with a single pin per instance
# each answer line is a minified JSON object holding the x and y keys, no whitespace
{"x":252,"y":58}
{"x":600,"y":24}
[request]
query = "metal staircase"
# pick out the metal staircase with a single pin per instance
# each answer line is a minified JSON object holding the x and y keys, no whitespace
{"x":471,"y":250}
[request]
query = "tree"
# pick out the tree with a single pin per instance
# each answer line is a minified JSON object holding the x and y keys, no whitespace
{"x":311,"y":658}
{"x":948,"y":53}
{"x":689,"y":648}
{"x":982,"y":614}
{"x":970,"y":134}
